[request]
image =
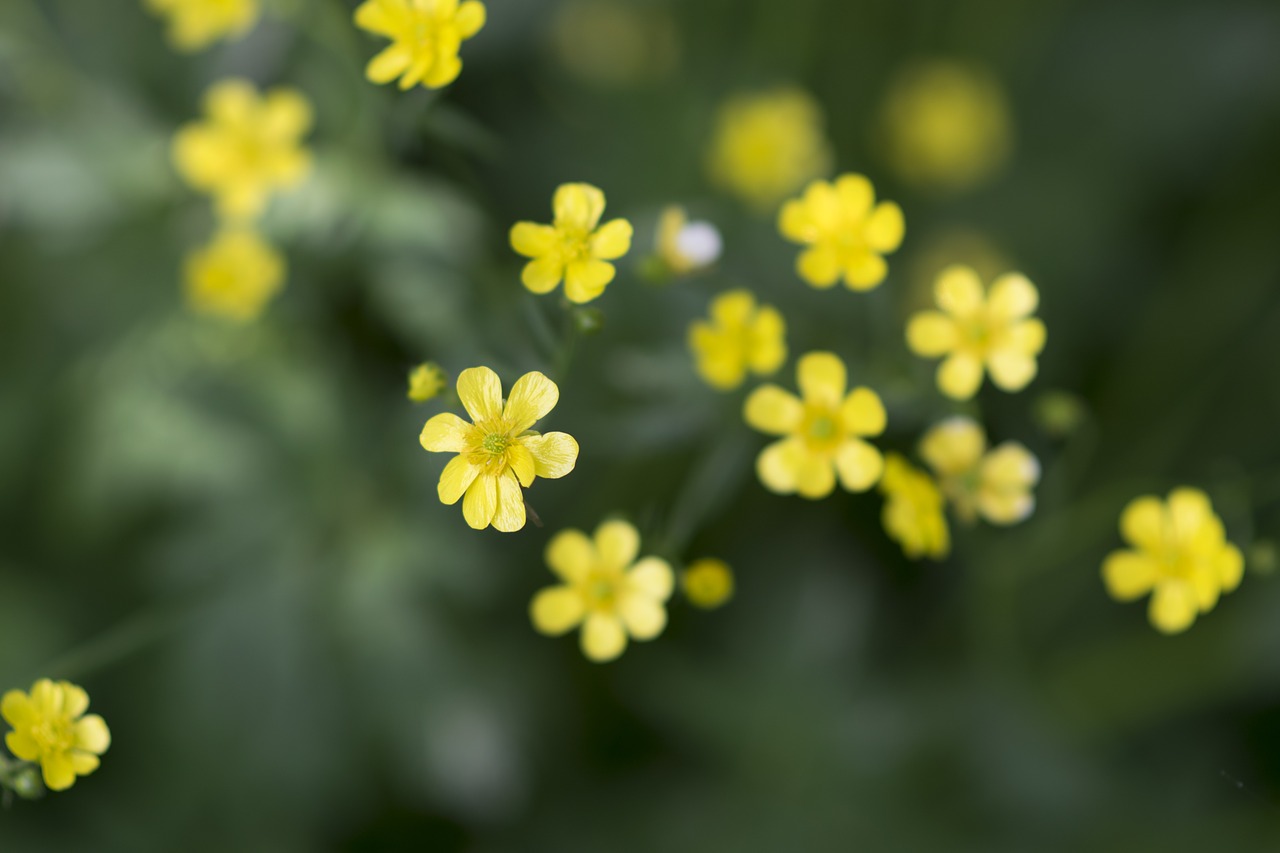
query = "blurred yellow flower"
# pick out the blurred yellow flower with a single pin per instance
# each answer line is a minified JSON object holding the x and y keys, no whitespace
{"x":426,"y":381}
{"x":605,"y":590}
{"x":575,"y":248}
{"x":49,"y":727}
{"x":998,"y":485}
{"x":740,"y":336}
{"x":913,"y":514}
{"x":247,"y":147}
{"x":823,"y":432}
{"x":974,"y":330}
{"x":766,"y":145}
{"x":234,"y":277}
{"x":426,"y":36}
{"x":196,"y":24}
{"x":497,"y":452}
{"x":1180,"y":555}
{"x":707,"y":583}
{"x":845,"y":230}
{"x":686,"y":246}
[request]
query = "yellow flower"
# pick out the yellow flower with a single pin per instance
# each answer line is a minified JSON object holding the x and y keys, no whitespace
{"x":845,"y":230}
{"x":246,"y":148}
{"x":913,"y":510}
{"x":740,"y":336}
{"x":766,"y":145}
{"x":996,"y":485}
{"x":498,"y":453}
{"x":823,"y":432}
{"x":196,"y":24}
{"x":973,"y":330}
{"x":686,"y":246}
{"x":575,"y":248}
{"x":707,"y":583}
{"x":426,"y":36}
{"x":425,"y":382}
{"x":1180,"y":555}
{"x":605,"y":590}
{"x":234,"y":277}
{"x":49,"y":727}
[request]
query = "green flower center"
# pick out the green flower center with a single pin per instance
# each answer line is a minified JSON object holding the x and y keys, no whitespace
{"x":495,"y":443}
{"x":601,"y":592}
{"x":54,"y":735}
{"x":821,"y":429}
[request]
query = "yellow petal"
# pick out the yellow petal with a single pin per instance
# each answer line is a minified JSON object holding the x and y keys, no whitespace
{"x":652,"y":577}
{"x":531,"y":398}
{"x":1207,"y":587}
{"x":556,"y":609}
{"x":1142,"y":523}
{"x":481,"y":501}
{"x":470,"y":18}
{"x":382,"y":17}
{"x":1010,"y":466}
{"x":1005,"y":507}
{"x":732,"y":309}
{"x":456,"y":478}
{"x":82,"y":763}
{"x":480,"y":391}
{"x":778,"y":465}
{"x":855,"y":195}
{"x":233,"y":101}
{"x":554,"y":453}
{"x":542,"y":275}
{"x":578,"y":207}
{"x":571,"y":555}
{"x":522,"y":464}
{"x":958,"y":291}
{"x":767,"y":350}
{"x":1025,"y":336}
{"x":865,"y":271}
{"x":862,"y":413}
{"x":22,"y":746}
{"x":75,"y":701}
{"x":92,"y":734}
{"x":16,"y":708}
{"x":822,"y":378}
{"x":1173,"y":607}
{"x":643,"y":617}
{"x":617,"y":544}
{"x":1189,"y":512}
{"x":1010,"y":370}
{"x":286,"y":115}
{"x":603,"y":637}
{"x":612,"y":240}
{"x":819,"y":266}
{"x":772,"y":410}
{"x":954,"y":446}
{"x":960,"y":376}
{"x":794,"y":223}
{"x":585,"y":280}
{"x":1230,"y":565}
{"x":46,"y":698}
{"x":533,"y":240}
{"x":822,"y":204}
{"x":59,"y":773}
{"x":445,"y":433}
{"x":509,"y":514}
{"x":1129,"y":574}
{"x":815,"y":475}
{"x":1012,"y":297}
{"x":859,"y":465}
{"x":885,"y":228}
{"x":931,"y":334}
{"x":445,"y":70}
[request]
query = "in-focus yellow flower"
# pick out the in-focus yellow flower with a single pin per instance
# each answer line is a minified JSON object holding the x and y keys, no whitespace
{"x":196,"y":24}
{"x":976,"y":330}
{"x":707,"y":583}
{"x":739,"y":337}
{"x":998,"y":485}
{"x":426,"y":381}
{"x":426,"y":36}
{"x":575,"y":247}
{"x":605,"y":590}
{"x":913,"y":514}
{"x":49,"y":727}
{"x":247,"y":147}
{"x":234,"y":277}
{"x":1180,"y":555}
{"x":823,"y":432}
{"x":497,"y":452}
{"x":686,"y":246}
{"x":845,"y":230}
{"x":766,"y":145}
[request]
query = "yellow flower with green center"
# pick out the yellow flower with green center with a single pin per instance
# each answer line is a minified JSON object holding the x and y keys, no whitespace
{"x":497,"y":452}
{"x":247,"y":147}
{"x":975,"y":331}
{"x":426,"y":36}
{"x":605,"y":590}
{"x":196,"y":24}
{"x":50,"y":727}
{"x":707,"y":583}
{"x":426,"y":381}
{"x":1180,"y":555}
{"x":685,"y":246}
{"x":823,"y":431}
{"x":845,"y":230}
{"x":740,"y":337}
{"x":996,"y":485}
{"x":575,"y":248}
{"x":234,"y":277}
{"x":913,"y":514}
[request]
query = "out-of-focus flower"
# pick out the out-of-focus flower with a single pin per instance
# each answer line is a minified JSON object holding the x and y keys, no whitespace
{"x":913,"y":514}
{"x":196,"y":24}
{"x":974,"y":330}
{"x":426,"y":381}
{"x":1180,"y":555}
{"x":740,"y":337}
{"x":996,"y":485}
{"x":247,"y":147}
{"x":497,"y":452}
{"x":605,"y":590}
{"x":845,"y":230}
{"x":824,"y":432}
{"x":50,"y":727}
{"x":575,"y":248}
{"x":1060,"y":413}
{"x":934,"y":251}
{"x":686,"y":246}
{"x":234,"y":277}
{"x":767,"y":145}
{"x":613,"y":43}
{"x":707,"y":583}
{"x":425,"y":35}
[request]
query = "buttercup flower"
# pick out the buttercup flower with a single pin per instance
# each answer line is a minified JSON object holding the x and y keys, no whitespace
{"x":913,"y":514}
{"x":707,"y":583}
{"x":49,"y":727}
{"x":686,"y":246}
{"x":575,"y":248}
{"x":995,"y":331}
{"x":246,"y":148}
{"x":740,"y":336}
{"x":196,"y":24}
{"x":234,"y":277}
{"x":426,"y":381}
{"x":1180,"y":555}
{"x":845,"y":230}
{"x":498,"y":453}
{"x":996,"y":485}
{"x":605,"y":590}
{"x":823,"y":432}
{"x":426,"y":36}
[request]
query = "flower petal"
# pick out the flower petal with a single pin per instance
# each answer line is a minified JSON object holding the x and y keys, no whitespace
{"x":855,"y":194}
{"x":822,"y":379}
{"x":767,"y":349}
{"x":862,"y":413}
{"x":1010,"y":466}
{"x":652,"y":577}
{"x":585,"y":280}
{"x":75,"y":701}
{"x":445,"y":433}
{"x":1173,"y":607}
{"x":480,"y":391}
{"x":533,"y":240}
{"x":59,"y":773}
{"x":92,"y":734}
{"x":389,"y":64}
{"x":772,"y":410}
{"x":611,"y":240}
{"x":859,"y":465}
{"x":16,"y":708}
{"x":643,"y":617}
{"x":509,"y":515}
{"x":578,"y":207}
{"x":83,"y":763}
{"x":732,"y":309}
{"x":556,"y":609}
{"x":469,"y":19}
{"x":885,"y":228}
{"x":603,"y":637}
{"x":953,"y":446}
{"x":617,"y":544}
{"x":542,"y":275}
{"x":456,"y":478}
{"x":795,"y":224}
{"x":960,"y":376}
{"x":531,"y":398}
{"x":1012,"y":297}
{"x":23,"y":746}
{"x":1025,"y":336}
{"x":1011,"y":370}
{"x":778,"y":465}
{"x":554,"y":453}
{"x":481,"y":502}
{"x":958,"y":291}
{"x":571,"y":555}
{"x":1142,"y":523}
{"x":819,"y":266}
{"x":1230,"y":565}
{"x":815,"y":476}
{"x":931,"y":334}
{"x":865,"y":271}
{"x":1129,"y":574}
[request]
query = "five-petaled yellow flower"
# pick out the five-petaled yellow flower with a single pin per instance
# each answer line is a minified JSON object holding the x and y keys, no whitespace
{"x":426,"y":36}
{"x":234,"y":277}
{"x":685,"y":246}
{"x":707,"y":583}
{"x":994,"y":331}
{"x":246,"y":148}
{"x":196,"y":24}
{"x":49,"y":727}
{"x":498,"y":453}
{"x":1180,"y":555}
{"x":426,"y":381}
{"x":741,"y":336}
{"x":575,"y":247}
{"x":913,"y":514}
{"x":823,"y":432}
{"x":845,"y":230}
{"x":998,"y":485}
{"x":605,"y":590}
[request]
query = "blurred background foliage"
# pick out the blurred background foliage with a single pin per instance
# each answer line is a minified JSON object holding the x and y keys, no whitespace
{"x":231,"y":538}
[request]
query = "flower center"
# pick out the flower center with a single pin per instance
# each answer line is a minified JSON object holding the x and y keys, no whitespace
{"x":495,"y":443}
{"x":53,"y":735}
{"x":821,"y":429}
{"x":601,"y":592}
